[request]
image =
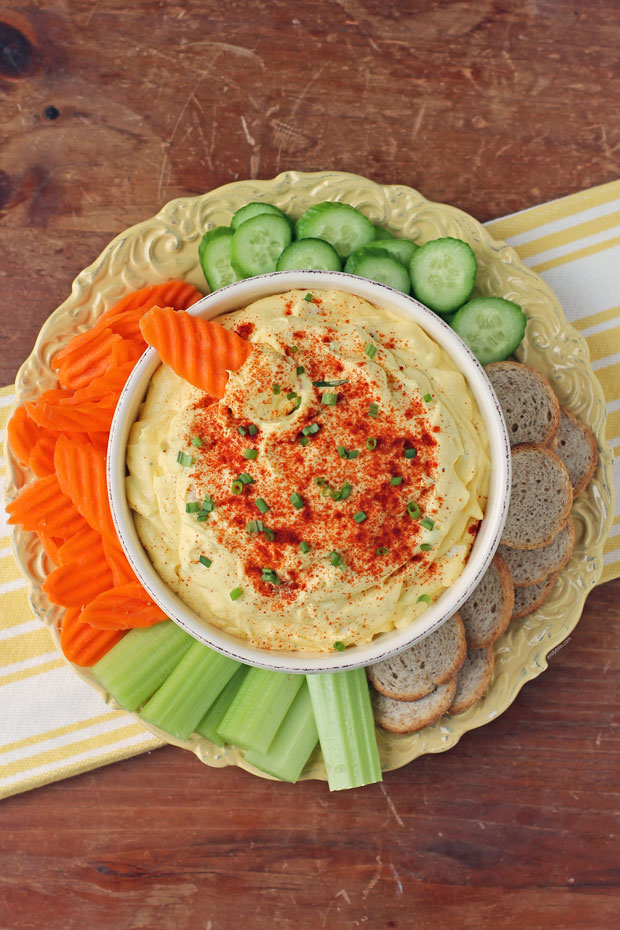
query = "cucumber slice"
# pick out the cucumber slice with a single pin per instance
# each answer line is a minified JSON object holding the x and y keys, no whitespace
{"x":443,"y":272}
{"x":402,"y":249}
{"x":342,"y":226}
{"x":309,"y":254}
{"x":254,"y":209}
{"x":378,"y":265}
{"x":491,"y":326}
{"x":258,"y":243}
{"x":214,"y":257}
{"x":382,"y":233}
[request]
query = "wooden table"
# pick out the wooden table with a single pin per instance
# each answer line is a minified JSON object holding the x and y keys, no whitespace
{"x":108,"y":110}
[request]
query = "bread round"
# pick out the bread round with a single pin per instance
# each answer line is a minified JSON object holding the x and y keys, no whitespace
{"x":529,"y":566}
{"x":575,"y":446}
{"x":530,"y":408}
{"x":473,"y":679}
{"x":529,"y":599}
{"x":418,"y":670}
{"x":541,"y":497}
{"x":409,"y":716}
{"x":486,"y":612}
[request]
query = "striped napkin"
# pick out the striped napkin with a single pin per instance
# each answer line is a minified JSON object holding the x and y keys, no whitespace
{"x":53,"y":725}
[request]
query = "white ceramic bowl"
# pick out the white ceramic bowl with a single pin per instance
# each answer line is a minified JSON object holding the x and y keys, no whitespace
{"x":240,"y":295}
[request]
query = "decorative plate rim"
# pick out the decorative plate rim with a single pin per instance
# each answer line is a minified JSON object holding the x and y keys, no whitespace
{"x":164,"y":246}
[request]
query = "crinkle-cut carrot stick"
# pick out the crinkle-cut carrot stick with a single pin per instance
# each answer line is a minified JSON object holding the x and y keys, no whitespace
{"x":72,"y":418}
{"x":129,"y":350}
{"x":37,"y":409}
{"x":109,"y":384}
{"x":42,"y":505}
{"x":200,"y":351}
{"x":87,"y":361}
{"x":41,"y":458}
{"x":77,"y":583}
{"x":123,"y":608}
{"x":87,"y":545}
{"x":122,"y":571}
{"x":51,"y":545}
{"x":22,"y":433}
{"x":81,"y":643}
{"x":176,"y":294}
{"x":81,"y":471}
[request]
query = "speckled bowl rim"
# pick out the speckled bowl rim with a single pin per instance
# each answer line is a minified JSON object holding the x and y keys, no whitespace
{"x":236,"y":296}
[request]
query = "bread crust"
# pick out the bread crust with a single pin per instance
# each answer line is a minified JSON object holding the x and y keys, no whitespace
{"x":459,"y":704}
{"x":524,"y":611}
{"x":528,"y":448}
{"x":503,"y":619}
{"x":589,"y":437}
{"x":516,"y":367}
{"x":557,"y":565}
{"x":391,"y":714}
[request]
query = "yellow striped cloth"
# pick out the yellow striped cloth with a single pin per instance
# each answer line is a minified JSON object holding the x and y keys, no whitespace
{"x":53,"y":725}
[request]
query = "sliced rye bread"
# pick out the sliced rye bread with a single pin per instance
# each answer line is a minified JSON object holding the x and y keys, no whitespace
{"x":529,"y":566}
{"x":529,"y":599}
{"x":486,"y":612}
{"x":540,"y":498}
{"x":409,"y":716}
{"x":473,"y":679}
{"x":575,"y":446}
{"x":418,"y":670}
{"x":530,"y":408}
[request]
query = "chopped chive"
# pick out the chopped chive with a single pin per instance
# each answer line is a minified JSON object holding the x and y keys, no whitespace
{"x":335,"y":559}
{"x":330,"y":383}
{"x":275,"y":388}
{"x":262,"y":505}
{"x":236,"y":593}
{"x":205,"y":561}
{"x":252,"y":526}
{"x":311,"y":429}
{"x":319,"y":481}
{"x":410,"y":453}
{"x":353,"y":454}
{"x":197,"y":441}
{"x":382,"y":550}
{"x":252,"y":429}
{"x":237,"y":487}
{"x":395,"y":481}
{"x":329,"y":399}
{"x":360,"y":516}
{"x":373,"y":410}
{"x":192,"y":507}
{"x":427,"y":523}
{"x":269,"y":534}
{"x":371,"y":443}
{"x":304,"y":546}
{"x":342,"y":452}
{"x":296,"y":500}
{"x":413,"y":510}
{"x":345,"y":491}
{"x":308,"y":297}
{"x":303,"y":440}
{"x":242,"y":430}
{"x":269,"y":575}
{"x":425,"y":598}
{"x":208,"y":504}
{"x":291,"y":395}
{"x":330,"y":492}
{"x":425,"y":547}
{"x":250,"y":454}
{"x":300,"y":370}
{"x":370,"y":350}
{"x":185,"y":460}
{"x":427,"y":398}
{"x":244,"y":478}
{"x":339,"y":646}
{"x":293,"y":349}
{"x":202,"y":516}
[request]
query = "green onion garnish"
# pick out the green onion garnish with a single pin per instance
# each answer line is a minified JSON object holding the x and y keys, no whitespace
{"x":296,"y":500}
{"x":427,"y":398}
{"x":207,"y":504}
{"x":236,"y":593}
{"x":353,"y":454}
{"x":252,"y":429}
{"x":252,"y":526}
{"x":382,"y":550}
{"x":275,"y":388}
{"x":192,"y":507}
{"x":425,"y":598}
{"x":370,"y":350}
{"x":300,"y":369}
{"x":339,"y":646}
{"x":413,"y":510}
{"x":319,"y":481}
{"x":371,"y":443}
{"x":330,"y":383}
{"x":395,"y":481}
{"x":342,"y":452}
{"x":294,"y":349}
{"x":329,"y":399}
{"x":425,"y":547}
{"x":250,"y":454}
{"x":291,"y":395}
{"x":185,"y":460}
{"x":269,"y":575}
{"x":335,"y":559}
{"x":262,"y":505}
{"x":237,"y":487}
{"x":410,"y":453}
{"x":360,"y":516}
{"x":303,"y":440}
{"x":304,"y":546}
{"x":244,"y":478}
{"x":269,"y":534}
{"x":345,"y":491}
{"x":311,"y":429}
{"x":197,"y":441}
{"x":242,"y":430}
{"x":427,"y":523}
{"x":205,"y":561}
{"x":373,"y":410}
{"x":202,"y":516}
{"x":308,"y":297}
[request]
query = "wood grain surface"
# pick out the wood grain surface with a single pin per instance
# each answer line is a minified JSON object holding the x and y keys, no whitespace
{"x":109,"y":109}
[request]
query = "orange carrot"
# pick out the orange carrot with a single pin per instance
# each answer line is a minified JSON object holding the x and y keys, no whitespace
{"x":42,"y":455}
{"x":87,"y":545}
{"x":122,"y":571}
{"x":22,"y":433}
{"x":81,"y":471}
{"x":128,"y":350}
{"x":51,"y":546}
{"x":176,"y":294}
{"x":86,"y":361}
{"x":110,"y":383}
{"x":200,"y":351}
{"x":71,"y":418}
{"x":79,"y":582}
{"x":81,"y":643}
{"x":42,"y":505}
{"x":123,"y":608}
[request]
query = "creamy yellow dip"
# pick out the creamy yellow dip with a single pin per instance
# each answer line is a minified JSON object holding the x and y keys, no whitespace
{"x":373,"y":498}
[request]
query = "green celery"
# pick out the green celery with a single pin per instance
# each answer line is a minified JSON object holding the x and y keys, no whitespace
{"x":213,"y":717}
{"x":293,"y":743}
{"x":259,"y":708}
{"x":346,"y":727}
{"x":134,"y":669}
{"x":186,"y":695}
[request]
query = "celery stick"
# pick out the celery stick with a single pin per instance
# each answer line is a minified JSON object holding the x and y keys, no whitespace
{"x":135,"y":668}
{"x":293,"y":743}
{"x":346,"y":726}
{"x":184,"y":698}
{"x":259,"y":708}
{"x":213,"y":717}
